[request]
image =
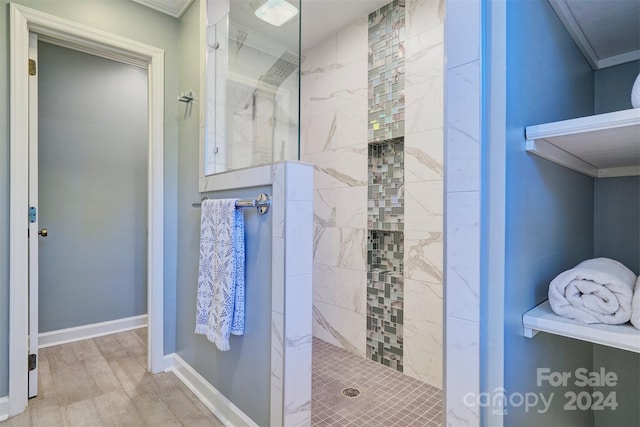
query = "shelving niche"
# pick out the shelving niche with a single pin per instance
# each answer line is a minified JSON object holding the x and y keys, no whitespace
{"x":602,"y":146}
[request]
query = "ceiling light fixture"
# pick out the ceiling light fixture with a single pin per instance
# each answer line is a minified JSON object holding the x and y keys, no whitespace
{"x":276,"y":12}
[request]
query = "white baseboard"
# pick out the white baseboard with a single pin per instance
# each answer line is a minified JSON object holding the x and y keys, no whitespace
{"x":78,"y":333}
{"x":4,"y":408}
{"x":217,"y":403}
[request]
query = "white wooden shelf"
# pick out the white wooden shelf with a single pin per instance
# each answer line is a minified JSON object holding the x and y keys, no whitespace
{"x":542,"y":319}
{"x":601,"y":146}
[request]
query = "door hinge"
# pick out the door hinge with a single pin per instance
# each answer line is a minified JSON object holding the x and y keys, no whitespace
{"x":33,"y":361}
{"x":32,"y":67}
{"x":33,"y":216}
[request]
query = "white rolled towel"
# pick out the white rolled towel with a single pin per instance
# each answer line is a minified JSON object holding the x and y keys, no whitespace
{"x":597,"y":290}
{"x":635,"y":306}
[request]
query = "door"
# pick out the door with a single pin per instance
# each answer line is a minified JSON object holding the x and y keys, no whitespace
{"x":112,"y":46}
{"x":34,"y":232}
{"x":88,"y":186}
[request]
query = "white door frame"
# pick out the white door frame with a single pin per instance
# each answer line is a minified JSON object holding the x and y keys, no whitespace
{"x":33,"y":235}
{"x":66,"y":33}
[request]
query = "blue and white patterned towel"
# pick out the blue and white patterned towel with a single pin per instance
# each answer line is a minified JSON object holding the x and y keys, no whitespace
{"x":220,"y":302}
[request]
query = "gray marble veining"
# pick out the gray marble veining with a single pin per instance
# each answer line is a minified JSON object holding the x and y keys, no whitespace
{"x":426,"y":160}
{"x":322,"y":322}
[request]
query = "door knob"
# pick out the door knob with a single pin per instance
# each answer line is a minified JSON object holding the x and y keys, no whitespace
{"x":44,"y":232}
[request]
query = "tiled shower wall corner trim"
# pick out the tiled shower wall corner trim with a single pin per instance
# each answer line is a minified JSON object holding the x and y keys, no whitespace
{"x":463,"y":29}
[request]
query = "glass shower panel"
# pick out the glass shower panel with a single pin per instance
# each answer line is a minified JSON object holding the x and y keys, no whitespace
{"x":215,"y":151}
{"x":252,"y":88}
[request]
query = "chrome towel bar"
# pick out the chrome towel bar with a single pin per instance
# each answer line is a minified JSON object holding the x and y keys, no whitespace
{"x":261,"y":203}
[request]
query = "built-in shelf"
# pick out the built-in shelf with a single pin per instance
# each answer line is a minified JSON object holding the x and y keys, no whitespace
{"x":607,"y":34}
{"x":601,"y":146}
{"x":542,"y":319}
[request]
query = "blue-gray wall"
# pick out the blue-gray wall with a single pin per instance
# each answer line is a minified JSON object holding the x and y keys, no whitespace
{"x":93,"y":139}
{"x":617,"y":228}
{"x":613,"y":87}
{"x":549,"y":209}
{"x":617,"y":236}
{"x":243,"y":373}
{"x":127,"y":19}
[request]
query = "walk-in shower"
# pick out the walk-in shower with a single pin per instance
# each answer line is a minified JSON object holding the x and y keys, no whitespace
{"x":363,"y":103}
{"x":372,"y":126}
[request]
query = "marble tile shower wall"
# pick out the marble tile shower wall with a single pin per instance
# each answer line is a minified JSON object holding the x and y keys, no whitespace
{"x":334,"y":130}
{"x":334,"y":140}
{"x":464,"y":154}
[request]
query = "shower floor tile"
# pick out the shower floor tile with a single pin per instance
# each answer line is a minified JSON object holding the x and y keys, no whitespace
{"x":387,"y":397}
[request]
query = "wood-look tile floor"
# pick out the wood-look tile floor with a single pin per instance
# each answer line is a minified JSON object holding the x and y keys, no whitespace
{"x":104,"y":382}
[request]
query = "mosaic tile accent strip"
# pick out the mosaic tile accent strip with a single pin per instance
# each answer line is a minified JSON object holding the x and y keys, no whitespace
{"x":385,"y":293}
{"x":388,"y":398}
{"x":385,"y":251}
{"x":385,"y":210}
{"x":386,"y":72}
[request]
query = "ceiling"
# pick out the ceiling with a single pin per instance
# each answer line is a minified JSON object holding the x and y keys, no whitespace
{"x":321,"y":18}
{"x":607,"y":32}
